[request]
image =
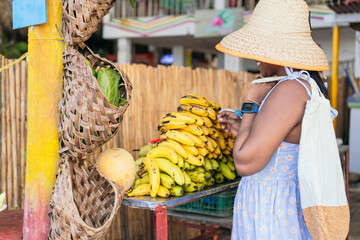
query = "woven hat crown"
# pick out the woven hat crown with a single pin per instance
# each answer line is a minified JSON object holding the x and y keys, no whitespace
{"x":278,"y":32}
{"x":280,"y":16}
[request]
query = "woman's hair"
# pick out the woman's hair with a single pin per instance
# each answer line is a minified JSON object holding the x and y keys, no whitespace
{"x":316,"y":76}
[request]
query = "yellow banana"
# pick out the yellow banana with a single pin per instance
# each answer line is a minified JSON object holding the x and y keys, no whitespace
{"x":171,"y":169}
{"x":226,"y":135}
{"x":170,"y":125}
{"x":164,"y":152}
{"x":217,"y":125}
{"x":187,"y":179}
{"x":215,"y":165}
{"x":213,"y":142}
{"x":214,"y":105}
{"x":154,"y":175}
{"x":191,"y":150}
{"x":166,"y":180}
{"x":207,"y":165}
{"x":194,"y":129}
{"x":140,"y":190}
{"x":220,"y":156}
{"x":163,"y":192}
{"x":179,"y":117}
{"x":217,"y":150}
{"x":221,"y":141}
{"x":209,"y":146}
{"x":200,"y":111}
{"x":230,"y":143}
{"x":174,"y":145}
{"x":176,"y":191}
{"x":205,"y":130}
{"x":180,"y":162}
{"x":196,"y":176}
{"x":219,"y":178}
{"x":193,"y":161}
{"x":210,"y":156}
{"x":192,"y":188}
{"x":226,"y":152}
{"x":207,"y":122}
{"x":215,"y":135}
{"x":197,"y":140}
{"x":198,"y":120}
{"x":212,"y":113}
{"x":186,"y":166}
{"x":202,"y":159}
{"x":203,"y":138}
{"x":203,"y":151}
{"x":195,"y":100}
{"x":178,"y":136}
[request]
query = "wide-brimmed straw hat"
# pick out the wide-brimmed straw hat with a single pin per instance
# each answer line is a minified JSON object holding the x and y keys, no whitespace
{"x":278,"y":32}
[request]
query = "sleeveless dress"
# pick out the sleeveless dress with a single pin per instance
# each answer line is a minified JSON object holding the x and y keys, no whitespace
{"x":267,"y":204}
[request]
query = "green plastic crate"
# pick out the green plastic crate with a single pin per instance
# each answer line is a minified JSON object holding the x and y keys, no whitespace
{"x":220,"y":205}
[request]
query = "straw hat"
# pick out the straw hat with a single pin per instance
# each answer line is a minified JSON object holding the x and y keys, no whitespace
{"x":278,"y":32}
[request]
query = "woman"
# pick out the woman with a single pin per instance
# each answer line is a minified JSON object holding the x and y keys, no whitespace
{"x":278,"y":38}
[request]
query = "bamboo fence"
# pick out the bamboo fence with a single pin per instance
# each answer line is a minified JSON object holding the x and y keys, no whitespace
{"x":13,"y":132}
{"x":156,"y":91}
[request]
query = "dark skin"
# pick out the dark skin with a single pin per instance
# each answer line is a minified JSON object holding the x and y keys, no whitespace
{"x":259,"y":135}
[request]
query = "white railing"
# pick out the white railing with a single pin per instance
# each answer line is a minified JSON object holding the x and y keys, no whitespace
{"x":153,"y":8}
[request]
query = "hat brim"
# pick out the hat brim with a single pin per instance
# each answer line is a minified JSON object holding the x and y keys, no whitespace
{"x":284,"y":50}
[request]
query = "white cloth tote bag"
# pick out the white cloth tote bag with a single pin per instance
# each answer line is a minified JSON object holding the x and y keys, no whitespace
{"x":322,"y":190}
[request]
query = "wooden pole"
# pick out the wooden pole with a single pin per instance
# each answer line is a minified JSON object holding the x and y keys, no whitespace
{"x":44,"y":93}
{"x":8,"y":140}
{"x":334,"y":68}
{"x":13,"y":136}
{"x":22,"y":129}
{"x":17,"y":132}
{"x":3,"y":128}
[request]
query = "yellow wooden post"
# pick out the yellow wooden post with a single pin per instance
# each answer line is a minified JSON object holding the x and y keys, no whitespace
{"x":334,"y":68}
{"x":44,"y":93}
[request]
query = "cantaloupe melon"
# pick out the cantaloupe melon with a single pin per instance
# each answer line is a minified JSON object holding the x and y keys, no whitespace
{"x":117,"y":165}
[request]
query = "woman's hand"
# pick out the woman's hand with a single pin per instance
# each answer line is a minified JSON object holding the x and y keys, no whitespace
{"x":258,"y":91}
{"x":229,"y":122}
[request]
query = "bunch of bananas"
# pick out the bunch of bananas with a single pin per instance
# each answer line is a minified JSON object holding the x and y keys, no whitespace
{"x":194,"y":152}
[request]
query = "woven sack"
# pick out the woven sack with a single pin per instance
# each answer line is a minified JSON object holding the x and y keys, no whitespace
{"x":83,"y":202}
{"x":87,"y":120}
{"x":81,"y":18}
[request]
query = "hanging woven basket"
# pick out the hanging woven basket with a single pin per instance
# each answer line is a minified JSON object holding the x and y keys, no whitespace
{"x":87,"y":120}
{"x":81,"y":18}
{"x":83,"y":203}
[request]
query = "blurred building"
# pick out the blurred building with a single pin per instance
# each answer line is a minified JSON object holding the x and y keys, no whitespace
{"x":185,"y":32}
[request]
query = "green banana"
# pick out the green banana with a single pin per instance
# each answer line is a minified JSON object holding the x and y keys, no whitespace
{"x":167,"y":181}
{"x":231,"y":165}
{"x":196,"y":176}
{"x":219,"y":178}
{"x":210,"y":182}
{"x":207,"y":175}
{"x":176,"y":191}
{"x":226,"y":171}
{"x":215,"y":165}
{"x":192,"y":188}
{"x":208,"y":165}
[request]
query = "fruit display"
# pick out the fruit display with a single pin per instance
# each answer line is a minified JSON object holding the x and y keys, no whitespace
{"x":194,"y":152}
{"x":118,"y":166}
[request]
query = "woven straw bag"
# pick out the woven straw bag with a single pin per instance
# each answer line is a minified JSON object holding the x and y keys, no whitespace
{"x":87,"y":120}
{"x":81,"y":18}
{"x":83,"y":203}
